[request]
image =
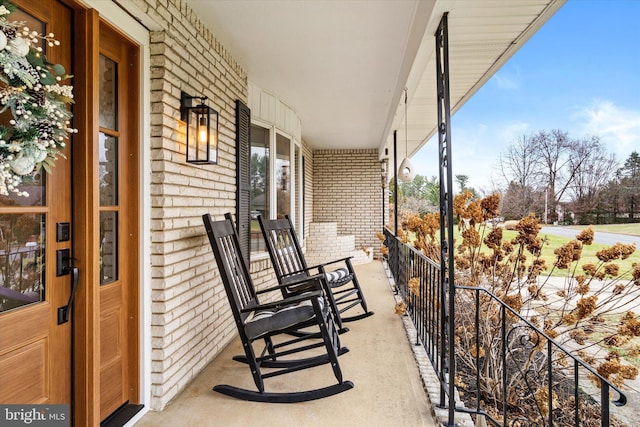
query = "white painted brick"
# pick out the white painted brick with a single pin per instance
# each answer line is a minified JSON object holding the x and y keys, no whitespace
{"x":191,"y":320}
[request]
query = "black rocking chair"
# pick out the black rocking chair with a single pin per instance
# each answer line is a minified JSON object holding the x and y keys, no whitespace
{"x":339,"y":279}
{"x":256,"y":323}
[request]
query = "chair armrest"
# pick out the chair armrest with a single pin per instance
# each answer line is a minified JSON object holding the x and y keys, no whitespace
{"x":283,"y":302}
{"x":298,"y":272}
{"x":301,"y":280}
{"x":270,"y":289}
{"x":335,"y":261}
{"x":305,"y":284}
{"x":298,"y":283}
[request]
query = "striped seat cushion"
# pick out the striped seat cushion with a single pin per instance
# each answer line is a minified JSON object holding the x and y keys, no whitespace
{"x":338,"y":277}
{"x":265,"y":321}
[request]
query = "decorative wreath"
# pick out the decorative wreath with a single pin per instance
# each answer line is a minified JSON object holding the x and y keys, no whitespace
{"x":34,"y":132}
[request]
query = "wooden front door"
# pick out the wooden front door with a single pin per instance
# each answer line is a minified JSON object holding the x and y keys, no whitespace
{"x":118,"y":220}
{"x":88,"y":206}
{"x":35,"y":347}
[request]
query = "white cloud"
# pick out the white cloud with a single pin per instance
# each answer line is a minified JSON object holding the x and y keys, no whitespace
{"x":617,"y":127}
{"x":513,"y":131}
{"x":507,"y":80}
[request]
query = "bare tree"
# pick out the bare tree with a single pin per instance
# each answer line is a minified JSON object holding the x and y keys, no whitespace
{"x":629,"y":184}
{"x":553,"y":151}
{"x":518,"y":164}
{"x":552,"y":163}
{"x":593,"y":168}
{"x":518,"y":201}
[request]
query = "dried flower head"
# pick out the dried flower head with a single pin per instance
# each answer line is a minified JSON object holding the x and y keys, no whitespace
{"x":535,"y":292}
{"x":611,"y":269}
{"x":494,"y":239}
{"x":474,"y":351}
{"x":513,"y":301}
{"x":585,"y":306}
{"x":586,"y":236}
{"x":578,"y":336}
{"x":401,"y":308}
{"x":568,"y":253}
{"x":460,"y":203}
{"x":475,"y":213}
{"x":536,"y":268}
{"x":629,"y":325}
{"x":471,"y":238}
{"x":490,"y":206}
{"x":414,"y":286}
{"x":403,"y":236}
{"x":589,"y":269}
{"x":462,"y":262}
{"x":587,"y":357}
{"x":507,"y":247}
{"x":528,"y":227}
{"x":617,"y":251}
{"x":615,"y":370}
{"x":551,"y":333}
{"x":583,"y":288}
{"x":542,"y":398}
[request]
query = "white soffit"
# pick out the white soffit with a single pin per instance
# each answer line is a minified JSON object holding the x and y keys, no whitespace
{"x":343,"y":65}
{"x":483,"y":36}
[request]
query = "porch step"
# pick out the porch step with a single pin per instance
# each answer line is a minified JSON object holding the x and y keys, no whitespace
{"x":324,"y":245}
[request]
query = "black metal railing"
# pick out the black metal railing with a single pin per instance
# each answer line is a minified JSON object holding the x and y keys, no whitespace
{"x":506,"y":368}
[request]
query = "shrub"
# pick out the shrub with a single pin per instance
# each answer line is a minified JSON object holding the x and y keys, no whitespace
{"x":587,"y":308}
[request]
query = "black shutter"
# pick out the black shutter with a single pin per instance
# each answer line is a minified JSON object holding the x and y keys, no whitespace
{"x":243,"y":184}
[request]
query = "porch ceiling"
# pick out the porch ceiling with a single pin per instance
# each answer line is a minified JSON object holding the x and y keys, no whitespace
{"x":343,"y":65}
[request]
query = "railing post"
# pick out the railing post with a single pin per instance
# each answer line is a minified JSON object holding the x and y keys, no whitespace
{"x":395,"y":183}
{"x":446,"y":203}
{"x":576,"y":393}
{"x":604,"y":404}
{"x":503,"y":339}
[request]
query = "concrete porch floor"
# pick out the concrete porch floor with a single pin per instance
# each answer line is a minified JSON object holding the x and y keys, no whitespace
{"x":388,"y":389}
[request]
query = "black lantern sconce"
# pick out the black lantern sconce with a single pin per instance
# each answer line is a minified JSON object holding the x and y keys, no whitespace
{"x":202,"y":130}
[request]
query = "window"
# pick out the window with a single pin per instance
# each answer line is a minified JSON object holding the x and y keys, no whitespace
{"x":283,"y":176}
{"x":259,"y":170}
{"x":273,"y":178}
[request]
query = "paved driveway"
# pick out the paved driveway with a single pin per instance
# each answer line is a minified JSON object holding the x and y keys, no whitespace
{"x":598,"y":237}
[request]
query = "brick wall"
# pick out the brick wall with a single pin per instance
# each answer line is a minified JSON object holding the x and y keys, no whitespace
{"x":191,"y":320}
{"x":347,"y":191}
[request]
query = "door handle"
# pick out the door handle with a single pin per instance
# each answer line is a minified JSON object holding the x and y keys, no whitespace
{"x":63,"y":312}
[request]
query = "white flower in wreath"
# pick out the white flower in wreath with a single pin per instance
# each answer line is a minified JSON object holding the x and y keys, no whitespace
{"x":19,"y":46}
{"x":22,"y":165}
{"x":3,"y":40}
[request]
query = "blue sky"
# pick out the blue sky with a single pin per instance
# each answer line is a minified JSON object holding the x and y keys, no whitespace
{"x":579,"y":73}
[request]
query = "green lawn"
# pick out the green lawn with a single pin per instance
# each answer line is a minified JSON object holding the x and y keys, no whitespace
{"x":588,"y":253}
{"x":553,"y":242}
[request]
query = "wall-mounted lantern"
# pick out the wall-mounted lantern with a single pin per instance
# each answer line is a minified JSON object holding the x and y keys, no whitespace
{"x":202,"y":129}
